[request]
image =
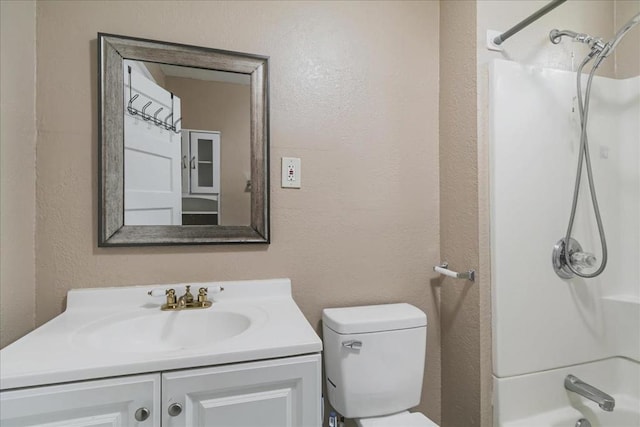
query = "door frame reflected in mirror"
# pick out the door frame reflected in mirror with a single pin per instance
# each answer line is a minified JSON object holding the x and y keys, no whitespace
{"x":112,"y":50}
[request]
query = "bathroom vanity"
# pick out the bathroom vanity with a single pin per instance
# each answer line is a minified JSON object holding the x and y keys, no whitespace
{"x":114,"y":358}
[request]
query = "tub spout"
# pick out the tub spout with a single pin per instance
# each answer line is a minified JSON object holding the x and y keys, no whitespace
{"x":603,"y":400}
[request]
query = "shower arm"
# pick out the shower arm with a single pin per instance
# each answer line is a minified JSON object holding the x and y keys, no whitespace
{"x":598,"y":46}
{"x":594,"y":43}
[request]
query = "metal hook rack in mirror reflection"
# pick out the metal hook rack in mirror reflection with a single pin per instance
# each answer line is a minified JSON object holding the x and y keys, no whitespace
{"x":155,"y":116}
{"x":144,"y":115}
{"x":130,"y":109}
{"x":166,"y":123}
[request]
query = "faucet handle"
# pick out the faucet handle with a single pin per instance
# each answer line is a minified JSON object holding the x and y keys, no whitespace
{"x":158,"y":292}
{"x":202,"y":295}
{"x":169,"y":293}
{"x":203,"y":292}
{"x":214,"y":289}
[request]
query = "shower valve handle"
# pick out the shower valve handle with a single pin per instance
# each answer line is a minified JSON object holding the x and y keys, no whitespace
{"x":583,"y":259}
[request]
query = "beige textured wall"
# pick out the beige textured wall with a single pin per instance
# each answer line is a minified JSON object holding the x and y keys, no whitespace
{"x":223,"y":107}
{"x":466,"y":381}
{"x":351,"y":95}
{"x":18,"y":158}
{"x":627,"y":53}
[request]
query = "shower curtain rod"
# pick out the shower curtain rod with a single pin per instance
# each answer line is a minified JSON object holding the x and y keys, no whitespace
{"x":525,"y":22}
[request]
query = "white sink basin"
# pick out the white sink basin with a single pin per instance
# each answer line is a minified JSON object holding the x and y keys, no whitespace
{"x":107,"y":332}
{"x":161,"y":331}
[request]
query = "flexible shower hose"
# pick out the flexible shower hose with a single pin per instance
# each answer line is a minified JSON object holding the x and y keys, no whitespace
{"x":584,"y":155}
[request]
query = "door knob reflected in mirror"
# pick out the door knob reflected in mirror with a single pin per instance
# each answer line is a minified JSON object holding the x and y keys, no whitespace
{"x":175,"y":409}
{"x":142,"y":414}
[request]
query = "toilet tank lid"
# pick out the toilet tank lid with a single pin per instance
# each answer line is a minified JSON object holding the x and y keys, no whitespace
{"x":373,"y":318}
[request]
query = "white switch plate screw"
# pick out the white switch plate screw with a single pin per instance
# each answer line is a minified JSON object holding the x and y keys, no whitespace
{"x":291,"y":172}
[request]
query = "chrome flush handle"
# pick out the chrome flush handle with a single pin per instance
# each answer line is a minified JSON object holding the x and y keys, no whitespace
{"x":352,"y":344}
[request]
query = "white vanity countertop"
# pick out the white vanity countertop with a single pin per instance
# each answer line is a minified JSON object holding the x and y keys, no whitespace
{"x":76,"y":345}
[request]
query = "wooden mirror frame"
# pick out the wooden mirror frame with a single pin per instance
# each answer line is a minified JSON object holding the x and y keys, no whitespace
{"x":112,"y":51}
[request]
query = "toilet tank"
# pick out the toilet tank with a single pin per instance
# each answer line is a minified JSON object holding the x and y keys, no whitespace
{"x":374,"y":358}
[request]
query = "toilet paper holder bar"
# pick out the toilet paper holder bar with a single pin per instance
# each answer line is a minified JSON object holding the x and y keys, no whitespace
{"x":443,"y":269}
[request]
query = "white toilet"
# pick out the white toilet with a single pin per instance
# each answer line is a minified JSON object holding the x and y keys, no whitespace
{"x":374,"y":363}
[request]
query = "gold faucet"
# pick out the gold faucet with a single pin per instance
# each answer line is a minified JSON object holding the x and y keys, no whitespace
{"x":186,"y":301}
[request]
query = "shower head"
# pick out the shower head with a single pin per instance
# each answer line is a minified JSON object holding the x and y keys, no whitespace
{"x":620,"y":35}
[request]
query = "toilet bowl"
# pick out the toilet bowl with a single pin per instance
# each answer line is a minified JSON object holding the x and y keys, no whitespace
{"x":374,"y":363}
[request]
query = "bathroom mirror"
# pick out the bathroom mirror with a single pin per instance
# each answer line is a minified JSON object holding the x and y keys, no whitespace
{"x":183,"y":144}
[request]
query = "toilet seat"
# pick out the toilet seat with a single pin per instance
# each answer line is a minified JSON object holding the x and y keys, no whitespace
{"x":403,"y":419}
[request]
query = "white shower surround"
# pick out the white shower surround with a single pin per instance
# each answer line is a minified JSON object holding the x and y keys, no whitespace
{"x":541,"y":322}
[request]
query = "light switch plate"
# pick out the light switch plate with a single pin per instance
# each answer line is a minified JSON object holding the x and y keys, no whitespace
{"x":291,"y":172}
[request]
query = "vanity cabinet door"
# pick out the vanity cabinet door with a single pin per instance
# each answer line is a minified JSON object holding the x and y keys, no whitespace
{"x":122,"y":401}
{"x":279,"y":393}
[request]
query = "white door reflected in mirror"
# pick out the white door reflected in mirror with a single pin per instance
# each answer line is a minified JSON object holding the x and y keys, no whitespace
{"x":152,"y":154}
{"x":179,"y":176}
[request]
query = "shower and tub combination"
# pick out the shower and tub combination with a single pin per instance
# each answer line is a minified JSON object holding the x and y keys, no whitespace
{"x":565,"y":298}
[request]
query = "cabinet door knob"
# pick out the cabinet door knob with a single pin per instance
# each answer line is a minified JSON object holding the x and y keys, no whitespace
{"x":142,"y":414}
{"x":175,"y":409}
